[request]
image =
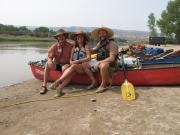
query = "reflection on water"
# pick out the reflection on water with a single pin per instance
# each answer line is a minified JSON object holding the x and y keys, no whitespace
{"x":14,"y":60}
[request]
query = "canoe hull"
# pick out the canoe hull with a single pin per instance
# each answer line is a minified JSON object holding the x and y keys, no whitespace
{"x":141,"y":77}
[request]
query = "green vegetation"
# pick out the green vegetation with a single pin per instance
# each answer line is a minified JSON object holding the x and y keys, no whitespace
{"x":169,"y":23}
{"x":152,"y":25}
{"x":19,"y":31}
{"x":25,"y":38}
{"x":10,"y":33}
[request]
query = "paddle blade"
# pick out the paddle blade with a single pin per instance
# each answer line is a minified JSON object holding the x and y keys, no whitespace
{"x":127,"y":90}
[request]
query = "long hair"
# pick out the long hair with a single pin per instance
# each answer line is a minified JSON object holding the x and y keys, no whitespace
{"x":84,"y":43}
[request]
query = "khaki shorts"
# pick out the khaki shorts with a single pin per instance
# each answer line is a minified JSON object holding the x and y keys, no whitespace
{"x":93,"y":65}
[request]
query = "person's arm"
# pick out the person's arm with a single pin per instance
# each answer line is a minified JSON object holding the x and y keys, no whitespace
{"x":71,"y":57}
{"x":95,"y":48}
{"x":51,"y":52}
{"x":110,"y":59}
{"x":87,"y":58}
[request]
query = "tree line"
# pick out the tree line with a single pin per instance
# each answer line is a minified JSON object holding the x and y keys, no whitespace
{"x":23,"y":30}
{"x":42,"y":32}
{"x":168,"y":24}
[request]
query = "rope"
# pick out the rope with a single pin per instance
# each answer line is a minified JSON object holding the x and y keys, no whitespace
{"x":48,"y":99}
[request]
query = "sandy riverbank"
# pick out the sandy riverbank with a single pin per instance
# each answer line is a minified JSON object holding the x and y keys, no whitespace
{"x":156,"y":111}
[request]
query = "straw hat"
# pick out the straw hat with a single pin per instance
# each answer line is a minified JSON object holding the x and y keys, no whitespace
{"x":95,"y":32}
{"x":60,"y":33}
{"x":81,"y":33}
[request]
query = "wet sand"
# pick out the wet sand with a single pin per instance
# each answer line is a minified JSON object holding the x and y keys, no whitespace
{"x":156,"y":111}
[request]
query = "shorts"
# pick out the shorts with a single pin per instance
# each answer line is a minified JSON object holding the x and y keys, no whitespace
{"x":93,"y":65}
{"x":59,"y":66}
{"x":93,"y":62}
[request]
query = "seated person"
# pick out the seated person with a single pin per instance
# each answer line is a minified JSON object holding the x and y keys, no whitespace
{"x":106,"y":51}
{"x":58,"y":57}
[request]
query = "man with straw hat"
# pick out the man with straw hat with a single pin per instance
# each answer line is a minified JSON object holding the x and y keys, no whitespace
{"x":106,"y":50}
{"x":58,"y":57}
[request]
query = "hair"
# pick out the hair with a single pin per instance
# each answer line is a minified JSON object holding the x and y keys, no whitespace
{"x":84,"y":42}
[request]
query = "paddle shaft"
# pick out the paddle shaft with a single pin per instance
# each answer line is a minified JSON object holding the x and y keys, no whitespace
{"x":123,"y":66}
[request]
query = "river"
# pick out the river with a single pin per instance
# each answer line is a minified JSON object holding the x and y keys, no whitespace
{"x":14,"y":58}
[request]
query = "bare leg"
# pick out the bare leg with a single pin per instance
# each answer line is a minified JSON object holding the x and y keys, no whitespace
{"x":66,"y":73}
{"x":63,"y":84}
{"x":66,"y":66}
{"x":57,"y":82}
{"x":46,"y":74}
{"x":104,"y":71}
{"x":87,"y":70}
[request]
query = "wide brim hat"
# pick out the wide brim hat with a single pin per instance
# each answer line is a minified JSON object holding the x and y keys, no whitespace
{"x":81,"y":33}
{"x":61,"y":33}
{"x":95,"y":32}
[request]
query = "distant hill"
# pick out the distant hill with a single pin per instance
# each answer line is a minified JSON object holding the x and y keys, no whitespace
{"x":127,"y":34}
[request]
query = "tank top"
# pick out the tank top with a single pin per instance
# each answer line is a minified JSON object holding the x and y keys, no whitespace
{"x":78,"y":54}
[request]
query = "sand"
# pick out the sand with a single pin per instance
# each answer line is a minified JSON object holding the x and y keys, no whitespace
{"x":156,"y":111}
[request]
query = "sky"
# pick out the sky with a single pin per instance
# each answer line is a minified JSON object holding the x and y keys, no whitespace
{"x":116,"y":14}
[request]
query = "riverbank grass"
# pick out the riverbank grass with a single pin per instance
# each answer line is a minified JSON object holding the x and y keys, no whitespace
{"x":4,"y":38}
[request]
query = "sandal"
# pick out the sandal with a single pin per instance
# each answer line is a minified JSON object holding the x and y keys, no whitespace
{"x":101,"y":89}
{"x":92,"y":86}
{"x":58,"y":94}
{"x":43,"y":90}
{"x":54,"y":85}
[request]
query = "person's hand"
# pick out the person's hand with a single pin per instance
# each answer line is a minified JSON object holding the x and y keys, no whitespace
{"x":72,"y":62}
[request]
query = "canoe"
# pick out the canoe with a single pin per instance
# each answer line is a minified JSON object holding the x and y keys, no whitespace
{"x":140,"y":77}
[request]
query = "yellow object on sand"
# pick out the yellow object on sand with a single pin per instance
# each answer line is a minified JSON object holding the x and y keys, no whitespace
{"x":127,"y":90}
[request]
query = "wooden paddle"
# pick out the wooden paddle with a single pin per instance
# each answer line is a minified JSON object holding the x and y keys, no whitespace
{"x":162,"y":57}
{"x":127,"y":88}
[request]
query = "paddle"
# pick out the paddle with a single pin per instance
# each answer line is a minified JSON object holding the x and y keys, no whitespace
{"x":162,"y":57}
{"x":127,"y":88}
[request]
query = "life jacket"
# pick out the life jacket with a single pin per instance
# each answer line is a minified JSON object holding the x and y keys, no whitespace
{"x":78,"y":54}
{"x":102,"y":51}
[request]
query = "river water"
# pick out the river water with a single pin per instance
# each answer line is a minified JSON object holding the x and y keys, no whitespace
{"x":14,"y":58}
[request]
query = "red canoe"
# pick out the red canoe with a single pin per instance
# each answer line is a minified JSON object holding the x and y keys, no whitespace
{"x":154,"y":76}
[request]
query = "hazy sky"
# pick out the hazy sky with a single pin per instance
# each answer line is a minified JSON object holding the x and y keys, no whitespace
{"x":118,"y":14}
